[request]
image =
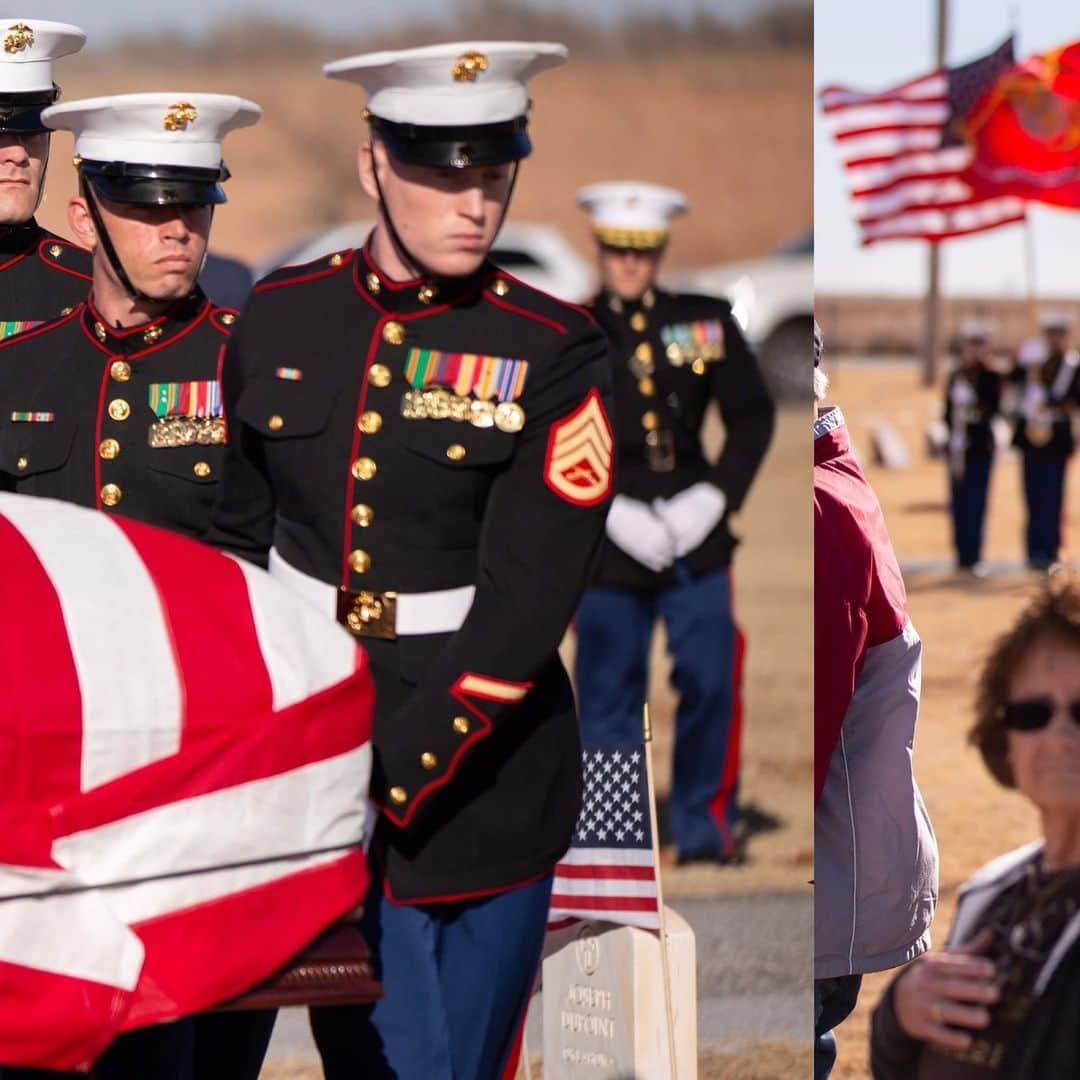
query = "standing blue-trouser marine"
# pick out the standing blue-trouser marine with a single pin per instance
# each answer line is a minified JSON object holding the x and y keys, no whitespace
{"x":668,"y":548}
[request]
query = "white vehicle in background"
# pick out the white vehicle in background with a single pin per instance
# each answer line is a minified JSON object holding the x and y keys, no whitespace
{"x":773,"y":301}
{"x":538,"y":254}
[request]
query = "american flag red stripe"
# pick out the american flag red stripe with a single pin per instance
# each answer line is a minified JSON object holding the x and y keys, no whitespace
{"x":196,"y":790}
{"x":610,"y":870}
{"x":904,"y":176}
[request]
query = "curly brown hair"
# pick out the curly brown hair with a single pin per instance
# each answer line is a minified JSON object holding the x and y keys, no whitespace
{"x":1053,"y":613}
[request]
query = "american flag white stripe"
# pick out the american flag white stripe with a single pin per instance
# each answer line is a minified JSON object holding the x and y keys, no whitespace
{"x":904,"y":184}
{"x":74,"y":935}
{"x":304,"y":659}
{"x":273,"y":816}
{"x":128,"y":719}
{"x":959,"y":221}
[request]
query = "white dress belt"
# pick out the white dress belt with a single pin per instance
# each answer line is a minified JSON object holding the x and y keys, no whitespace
{"x":439,"y":612}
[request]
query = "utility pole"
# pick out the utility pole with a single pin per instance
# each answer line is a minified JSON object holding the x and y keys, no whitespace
{"x":932,"y":346}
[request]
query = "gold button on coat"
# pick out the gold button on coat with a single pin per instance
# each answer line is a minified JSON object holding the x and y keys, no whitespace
{"x":111,"y":494}
{"x":698,"y":366}
{"x":428,"y":760}
{"x":201,"y":469}
{"x":275,"y":423}
{"x":650,"y":421}
{"x":120,"y":370}
{"x":364,"y":468}
{"x":22,"y":464}
{"x":638,"y":321}
{"x":359,"y":561}
{"x":393,"y":333}
{"x":370,"y":422}
{"x":647,"y":386}
{"x":379,"y":375}
{"x":362,"y":515}
{"x":461,"y":725}
{"x":398,"y":795}
{"x":455,"y":452}
{"x":119,"y":409}
{"x":108,"y":449}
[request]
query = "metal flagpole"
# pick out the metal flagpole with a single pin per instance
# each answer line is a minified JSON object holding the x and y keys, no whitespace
{"x":668,"y":1006}
{"x":1029,"y":261}
{"x":932,"y":347}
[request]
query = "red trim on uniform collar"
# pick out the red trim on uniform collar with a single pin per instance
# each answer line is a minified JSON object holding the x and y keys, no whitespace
{"x":128,"y":339}
{"x":384,"y":281}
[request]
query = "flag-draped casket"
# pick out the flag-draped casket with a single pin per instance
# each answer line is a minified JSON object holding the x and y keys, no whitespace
{"x":184,"y":761}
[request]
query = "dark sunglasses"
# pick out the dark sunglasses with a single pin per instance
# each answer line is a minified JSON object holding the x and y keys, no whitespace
{"x":1034,"y":715}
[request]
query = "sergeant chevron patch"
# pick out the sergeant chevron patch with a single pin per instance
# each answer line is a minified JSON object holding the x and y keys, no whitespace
{"x":579,"y":453}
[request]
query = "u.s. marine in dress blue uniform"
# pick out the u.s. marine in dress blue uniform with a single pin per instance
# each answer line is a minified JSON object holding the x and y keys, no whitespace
{"x":41,"y":274}
{"x":431,"y":460}
{"x":99,"y":416}
{"x":1045,"y":394}
{"x":669,"y":544}
{"x":972,"y":400}
{"x":123,"y":412}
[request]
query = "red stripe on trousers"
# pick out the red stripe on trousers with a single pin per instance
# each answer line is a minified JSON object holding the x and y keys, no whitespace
{"x":730,"y":774}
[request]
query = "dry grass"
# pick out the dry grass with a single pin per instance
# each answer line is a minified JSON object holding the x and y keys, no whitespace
{"x":732,"y":130}
{"x":974,"y":818}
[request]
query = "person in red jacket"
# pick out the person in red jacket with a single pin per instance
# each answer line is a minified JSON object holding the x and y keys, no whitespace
{"x":875,"y":856}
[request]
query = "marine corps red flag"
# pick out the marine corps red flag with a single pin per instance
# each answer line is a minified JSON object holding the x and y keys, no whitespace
{"x":184,"y":760}
{"x":1025,"y":133}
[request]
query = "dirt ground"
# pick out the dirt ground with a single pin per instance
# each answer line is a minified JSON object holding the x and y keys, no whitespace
{"x":694,"y":121}
{"x":761,"y":1060}
{"x":957,"y":619}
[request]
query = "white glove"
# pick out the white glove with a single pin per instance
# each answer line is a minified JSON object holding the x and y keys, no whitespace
{"x":634,"y":528}
{"x":691,"y":515}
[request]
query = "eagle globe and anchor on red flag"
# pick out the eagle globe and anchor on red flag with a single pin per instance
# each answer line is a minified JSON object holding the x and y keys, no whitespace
{"x":136,"y":719}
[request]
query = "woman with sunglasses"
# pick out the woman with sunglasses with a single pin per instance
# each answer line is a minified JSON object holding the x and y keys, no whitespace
{"x":1003,"y":998}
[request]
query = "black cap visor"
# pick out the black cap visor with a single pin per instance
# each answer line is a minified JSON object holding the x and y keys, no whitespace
{"x":455,"y":147}
{"x":155,"y":185}
{"x":20,"y":114}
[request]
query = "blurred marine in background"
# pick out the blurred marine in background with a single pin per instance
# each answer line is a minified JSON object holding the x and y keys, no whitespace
{"x":1045,"y":391}
{"x":972,"y":400}
{"x":669,"y":545}
{"x":40,"y":273}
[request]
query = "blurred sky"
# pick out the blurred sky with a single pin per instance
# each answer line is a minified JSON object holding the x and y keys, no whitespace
{"x":871,"y":46}
{"x":104,"y":19}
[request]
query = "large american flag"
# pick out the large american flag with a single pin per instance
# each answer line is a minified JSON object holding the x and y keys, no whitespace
{"x":904,"y":151}
{"x":609,"y":873}
{"x":184,"y":759}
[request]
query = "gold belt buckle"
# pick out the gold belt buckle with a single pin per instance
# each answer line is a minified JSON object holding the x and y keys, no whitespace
{"x":368,"y":614}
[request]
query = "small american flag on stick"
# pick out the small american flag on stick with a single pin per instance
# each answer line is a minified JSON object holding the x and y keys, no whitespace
{"x":609,"y":873}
